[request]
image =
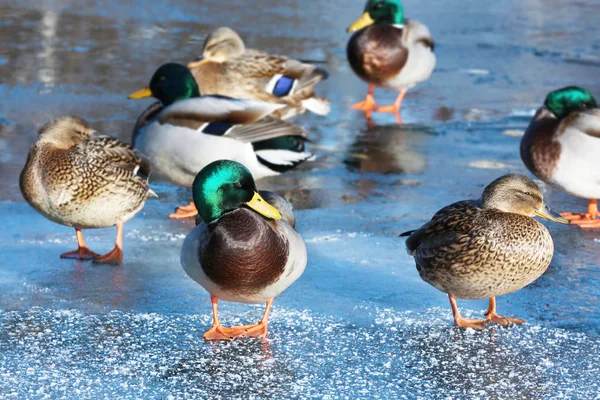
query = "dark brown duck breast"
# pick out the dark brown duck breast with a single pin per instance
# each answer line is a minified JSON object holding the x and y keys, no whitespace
{"x":247,"y":254}
{"x":376,"y":53}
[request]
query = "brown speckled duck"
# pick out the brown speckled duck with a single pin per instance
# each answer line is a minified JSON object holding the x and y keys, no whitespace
{"x":76,"y":179}
{"x":485,"y":248}
{"x":244,"y":248}
{"x":227,"y":68}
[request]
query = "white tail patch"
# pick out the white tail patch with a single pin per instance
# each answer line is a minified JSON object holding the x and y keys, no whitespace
{"x":317,"y":106}
{"x":283,"y":157}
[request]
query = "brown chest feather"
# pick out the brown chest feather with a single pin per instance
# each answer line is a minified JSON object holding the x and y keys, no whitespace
{"x":540,"y":150}
{"x":377,"y":53}
{"x":246,"y":254}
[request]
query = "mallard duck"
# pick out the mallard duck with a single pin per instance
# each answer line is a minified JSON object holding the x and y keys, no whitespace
{"x":485,"y":248}
{"x":77,"y":179}
{"x":558,"y":148}
{"x":244,"y":248}
{"x":389,"y":51}
{"x":185,"y":132}
{"x":227,"y":68}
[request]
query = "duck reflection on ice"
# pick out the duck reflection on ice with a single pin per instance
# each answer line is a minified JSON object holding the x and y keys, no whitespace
{"x":389,"y":149}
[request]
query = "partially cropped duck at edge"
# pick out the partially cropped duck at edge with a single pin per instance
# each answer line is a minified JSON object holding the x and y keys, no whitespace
{"x":184,"y":132}
{"x":485,"y":248}
{"x":227,"y":68}
{"x":389,"y":51}
{"x":560,"y":144}
{"x":244,"y":248}
{"x":77,"y":179}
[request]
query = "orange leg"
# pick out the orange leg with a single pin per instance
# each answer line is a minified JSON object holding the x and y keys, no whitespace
{"x":394,"y":108}
{"x":218,"y":331}
{"x":184,"y":212}
{"x":492,"y":316}
{"x":368,"y":104}
{"x":464,"y":323}
{"x":115,"y":256}
{"x":82,"y":252}
{"x":585,"y":220}
{"x":260,"y":329}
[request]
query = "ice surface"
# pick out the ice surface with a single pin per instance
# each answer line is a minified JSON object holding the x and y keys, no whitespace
{"x":359,"y":323}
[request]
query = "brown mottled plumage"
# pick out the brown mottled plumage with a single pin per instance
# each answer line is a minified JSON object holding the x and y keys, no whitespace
{"x":227,"y":68}
{"x":82,"y":181}
{"x":487,"y":247}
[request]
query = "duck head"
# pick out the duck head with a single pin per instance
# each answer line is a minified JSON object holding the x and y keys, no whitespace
{"x":376,"y":12}
{"x":515,"y":193}
{"x":221,"y":45}
{"x":224,"y":186}
{"x":66,"y":132}
{"x":171,"y":82}
{"x":563,"y":102}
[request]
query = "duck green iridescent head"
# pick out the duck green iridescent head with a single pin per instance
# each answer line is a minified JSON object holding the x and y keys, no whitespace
{"x":170,"y":83}
{"x":380,"y":12}
{"x":563,"y":102}
{"x":224,"y":186}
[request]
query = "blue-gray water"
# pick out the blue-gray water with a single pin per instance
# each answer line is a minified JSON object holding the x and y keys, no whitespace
{"x":359,"y":323}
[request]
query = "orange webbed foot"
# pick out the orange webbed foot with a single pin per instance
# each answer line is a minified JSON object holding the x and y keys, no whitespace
{"x":219,"y":332}
{"x":477,"y":324}
{"x":184,"y":212}
{"x":500,"y":320}
{"x":82,"y":253}
{"x":258,"y":331}
{"x":114,"y":257}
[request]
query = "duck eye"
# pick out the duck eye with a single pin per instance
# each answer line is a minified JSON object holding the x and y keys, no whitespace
{"x":238,"y":185}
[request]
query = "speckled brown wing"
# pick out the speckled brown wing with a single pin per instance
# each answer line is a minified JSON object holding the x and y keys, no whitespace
{"x":377,"y":53}
{"x":475,"y":253}
{"x":246,"y":255}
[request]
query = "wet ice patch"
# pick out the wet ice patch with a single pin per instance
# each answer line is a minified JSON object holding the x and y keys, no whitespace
{"x":52,"y":353}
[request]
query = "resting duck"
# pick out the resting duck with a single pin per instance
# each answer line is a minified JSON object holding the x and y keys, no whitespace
{"x":559,"y":144}
{"x":244,"y":248}
{"x":77,"y":179}
{"x":185,"y":132}
{"x":389,"y":51}
{"x":227,"y":68}
{"x":485,"y":248}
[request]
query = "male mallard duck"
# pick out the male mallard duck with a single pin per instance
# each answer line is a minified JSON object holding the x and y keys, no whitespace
{"x":187,"y":132}
{"x":558,"y":148}
{"x":78,"y":180}
{"x":390,"y":52}
{"x":483,"y":248}
{"x":245,"y":248}
{"x":227,"y":68}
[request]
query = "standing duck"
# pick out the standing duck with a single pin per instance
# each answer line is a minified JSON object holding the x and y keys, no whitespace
{"x":559,"y":147}
{"x":244,"y":248}
{"x":185,"y":132}
{"x":485,"y":248}
{"x":76,"y":179}
{"x":389,"y":51}
{"x":227,"y":68}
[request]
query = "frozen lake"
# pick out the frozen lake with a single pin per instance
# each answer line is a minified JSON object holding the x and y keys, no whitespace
{"x":359,"y":323}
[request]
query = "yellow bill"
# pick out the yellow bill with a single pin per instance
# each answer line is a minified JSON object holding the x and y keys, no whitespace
{"x":547,"y":213}
{"x":198,"y":61}
{"x":362,"y":22}
{"x":259,"y":205}
{"x":140,"y":94}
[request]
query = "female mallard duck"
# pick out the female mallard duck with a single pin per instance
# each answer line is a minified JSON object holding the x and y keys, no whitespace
{"x":245,"y":248}
{"x":187,"y":132}
{"x":558,"y":148}
{"x":484,"y":248}
{"x":78,"y":180}
{"x":227,"y":68}
{"x":390,"y":52}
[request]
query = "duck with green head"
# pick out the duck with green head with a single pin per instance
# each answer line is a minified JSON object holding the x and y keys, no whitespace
{"x":558,"y":147}
{"x":389,"y":51}
{"x":244,"y":247}
{"x":184,"y":132}
{"x":488,"y":247}
{"x":226,"y":67}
